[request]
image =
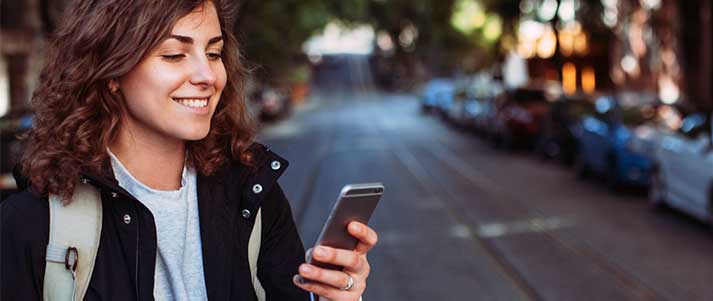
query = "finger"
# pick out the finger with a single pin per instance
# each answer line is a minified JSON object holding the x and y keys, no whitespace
{"x":326,"y":291}
{"x":367,"y":236}
{"x":337,"y":279}
{"x":308,"y":254}
{"x":345,"y":258}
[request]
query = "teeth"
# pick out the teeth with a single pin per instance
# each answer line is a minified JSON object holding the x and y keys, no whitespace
{"x":195,"y":103}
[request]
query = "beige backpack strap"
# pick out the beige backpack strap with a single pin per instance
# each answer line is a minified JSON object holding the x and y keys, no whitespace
{"x":254,"y":254}
{"x":75,"y":230}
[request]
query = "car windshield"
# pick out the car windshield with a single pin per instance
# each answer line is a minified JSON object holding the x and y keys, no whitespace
{"x":580,"y":108}
{"x":636,"y":115}
{"x":529,"y":96}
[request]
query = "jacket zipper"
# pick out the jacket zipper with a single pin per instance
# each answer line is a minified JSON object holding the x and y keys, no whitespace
{"x":136,"y":263}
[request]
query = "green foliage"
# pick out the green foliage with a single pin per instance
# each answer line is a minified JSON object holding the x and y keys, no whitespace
{"x":440,"y":46}
{"x":508,"y":10}
{"x":272,"y":31}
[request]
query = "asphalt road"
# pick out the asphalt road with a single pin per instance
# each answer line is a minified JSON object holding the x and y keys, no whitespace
{"x":463,"y":221}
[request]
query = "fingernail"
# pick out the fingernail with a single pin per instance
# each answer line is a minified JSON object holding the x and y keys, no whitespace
{"x":308,"y":254}
{"x":305,"y":269}
{"x":298,"y":279}
{"x":355,"y":228}
{"x":320,"y":252}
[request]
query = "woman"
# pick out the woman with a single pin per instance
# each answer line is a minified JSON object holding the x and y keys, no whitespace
{"x":142,"y":100}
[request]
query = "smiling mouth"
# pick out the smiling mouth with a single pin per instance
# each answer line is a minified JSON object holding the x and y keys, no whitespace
{"x":192,"y":102}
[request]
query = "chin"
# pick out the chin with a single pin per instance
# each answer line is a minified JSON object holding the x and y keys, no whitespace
{"x":196,"y":134}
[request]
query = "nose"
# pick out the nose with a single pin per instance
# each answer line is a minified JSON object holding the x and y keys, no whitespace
{"x":203,"y":73}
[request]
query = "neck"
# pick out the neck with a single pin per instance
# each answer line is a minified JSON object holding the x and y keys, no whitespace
{"x":154,"y":161}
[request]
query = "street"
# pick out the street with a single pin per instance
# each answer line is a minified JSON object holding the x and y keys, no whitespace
{"x":528,"y":149}
{"x":461,"y":220}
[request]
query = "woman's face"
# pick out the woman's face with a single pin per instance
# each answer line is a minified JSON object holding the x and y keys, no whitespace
{"x":172,"y":93}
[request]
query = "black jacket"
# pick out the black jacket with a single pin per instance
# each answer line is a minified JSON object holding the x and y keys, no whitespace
{"x":126,"y":259}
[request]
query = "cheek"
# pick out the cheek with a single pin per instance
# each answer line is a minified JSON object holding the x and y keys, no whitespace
{"x":221,"y":77}
{"x":148,"y":86}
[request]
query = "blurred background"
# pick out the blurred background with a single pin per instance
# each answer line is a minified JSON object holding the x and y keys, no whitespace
{"x":530,"y":149}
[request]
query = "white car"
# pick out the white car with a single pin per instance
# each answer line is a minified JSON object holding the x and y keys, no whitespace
{"x":683,"y":172}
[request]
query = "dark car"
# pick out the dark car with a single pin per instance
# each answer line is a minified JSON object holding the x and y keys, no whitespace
{"x":270,"y":104}
{"x":10,"y":148}
{"x":615,"y":141}
{"x":556,"y":140}
{"x":518,"y":117}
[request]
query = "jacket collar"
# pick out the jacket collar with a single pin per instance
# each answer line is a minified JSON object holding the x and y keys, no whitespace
{"x":268,"y":168}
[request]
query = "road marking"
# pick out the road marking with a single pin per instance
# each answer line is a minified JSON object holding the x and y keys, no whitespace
{"x":627,"y":280}
{"x":461,"y":231}
{"x":282,"y":130}
{"x":495,"y":230}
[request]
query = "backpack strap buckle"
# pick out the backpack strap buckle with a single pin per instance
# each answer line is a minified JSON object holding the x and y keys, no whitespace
{"x":71,"y":259}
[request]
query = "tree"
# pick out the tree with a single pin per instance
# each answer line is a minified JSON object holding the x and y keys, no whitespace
{"x":271,"y":33}
{"x":437,"y":45}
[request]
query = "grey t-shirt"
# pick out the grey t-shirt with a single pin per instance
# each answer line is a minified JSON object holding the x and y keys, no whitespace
{"x":179,"y":262}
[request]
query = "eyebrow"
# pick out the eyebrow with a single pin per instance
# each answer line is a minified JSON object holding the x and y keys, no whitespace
{"x":189,"y":40}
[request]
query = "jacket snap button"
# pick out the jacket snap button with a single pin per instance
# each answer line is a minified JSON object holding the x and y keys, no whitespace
{"x":114,"y":194}
{"x":257,"y":188}
{"x":275,"y":165}
{"x":127,"y":219}
{"x":246,"y":213}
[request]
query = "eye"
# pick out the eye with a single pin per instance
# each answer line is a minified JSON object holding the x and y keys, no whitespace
{"x":213,"y":56}
{"x":173,"y":57}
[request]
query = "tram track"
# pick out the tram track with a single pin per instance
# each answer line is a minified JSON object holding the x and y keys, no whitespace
{"x":461,"y":166}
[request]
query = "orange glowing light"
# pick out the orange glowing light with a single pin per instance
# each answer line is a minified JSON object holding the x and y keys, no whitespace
{"x":580,"y":44}
{"x":566,"y":41}
{"x":589,"y":80}
{"x":569,"y":78}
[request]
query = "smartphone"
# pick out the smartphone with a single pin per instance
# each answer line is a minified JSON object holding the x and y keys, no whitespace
{"x":356,"y":202}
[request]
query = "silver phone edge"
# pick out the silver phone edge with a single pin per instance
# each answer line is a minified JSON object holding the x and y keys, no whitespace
{"x":348,"y":187}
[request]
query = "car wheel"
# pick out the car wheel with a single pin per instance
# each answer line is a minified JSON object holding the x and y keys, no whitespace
{"x":494,"y":138}
{"x":581,"y":169}
{"x":710,"y":208}
{"x":612,"y":176}
{"x":506,"y":141}
{"x":541,"y":145}
{"x":657,"y":188}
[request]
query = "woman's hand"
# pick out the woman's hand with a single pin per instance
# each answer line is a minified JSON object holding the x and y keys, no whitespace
{"x":331,"y":284}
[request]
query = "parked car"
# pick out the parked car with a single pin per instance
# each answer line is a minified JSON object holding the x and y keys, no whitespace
{"x":518,"y":116}
{"x":437,"y":93}
{"x":10,"y":148}
{"x":456,"y":112}
{"x":617,"y":141}
{"x":269,"y":104}
{"x":465,"y":106}
{"x":479,"y":103}
{"x":556,"y":140}
{"x":682,"y":176}
{"x":485,"y":115}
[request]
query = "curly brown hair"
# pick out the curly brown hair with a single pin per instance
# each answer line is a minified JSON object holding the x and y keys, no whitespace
{"x":77,"y":117}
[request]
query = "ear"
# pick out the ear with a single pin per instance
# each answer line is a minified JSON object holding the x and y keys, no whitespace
{"x":113,"y":86}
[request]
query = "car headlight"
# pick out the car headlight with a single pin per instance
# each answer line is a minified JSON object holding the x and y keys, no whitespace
{"x":635,"y":146}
